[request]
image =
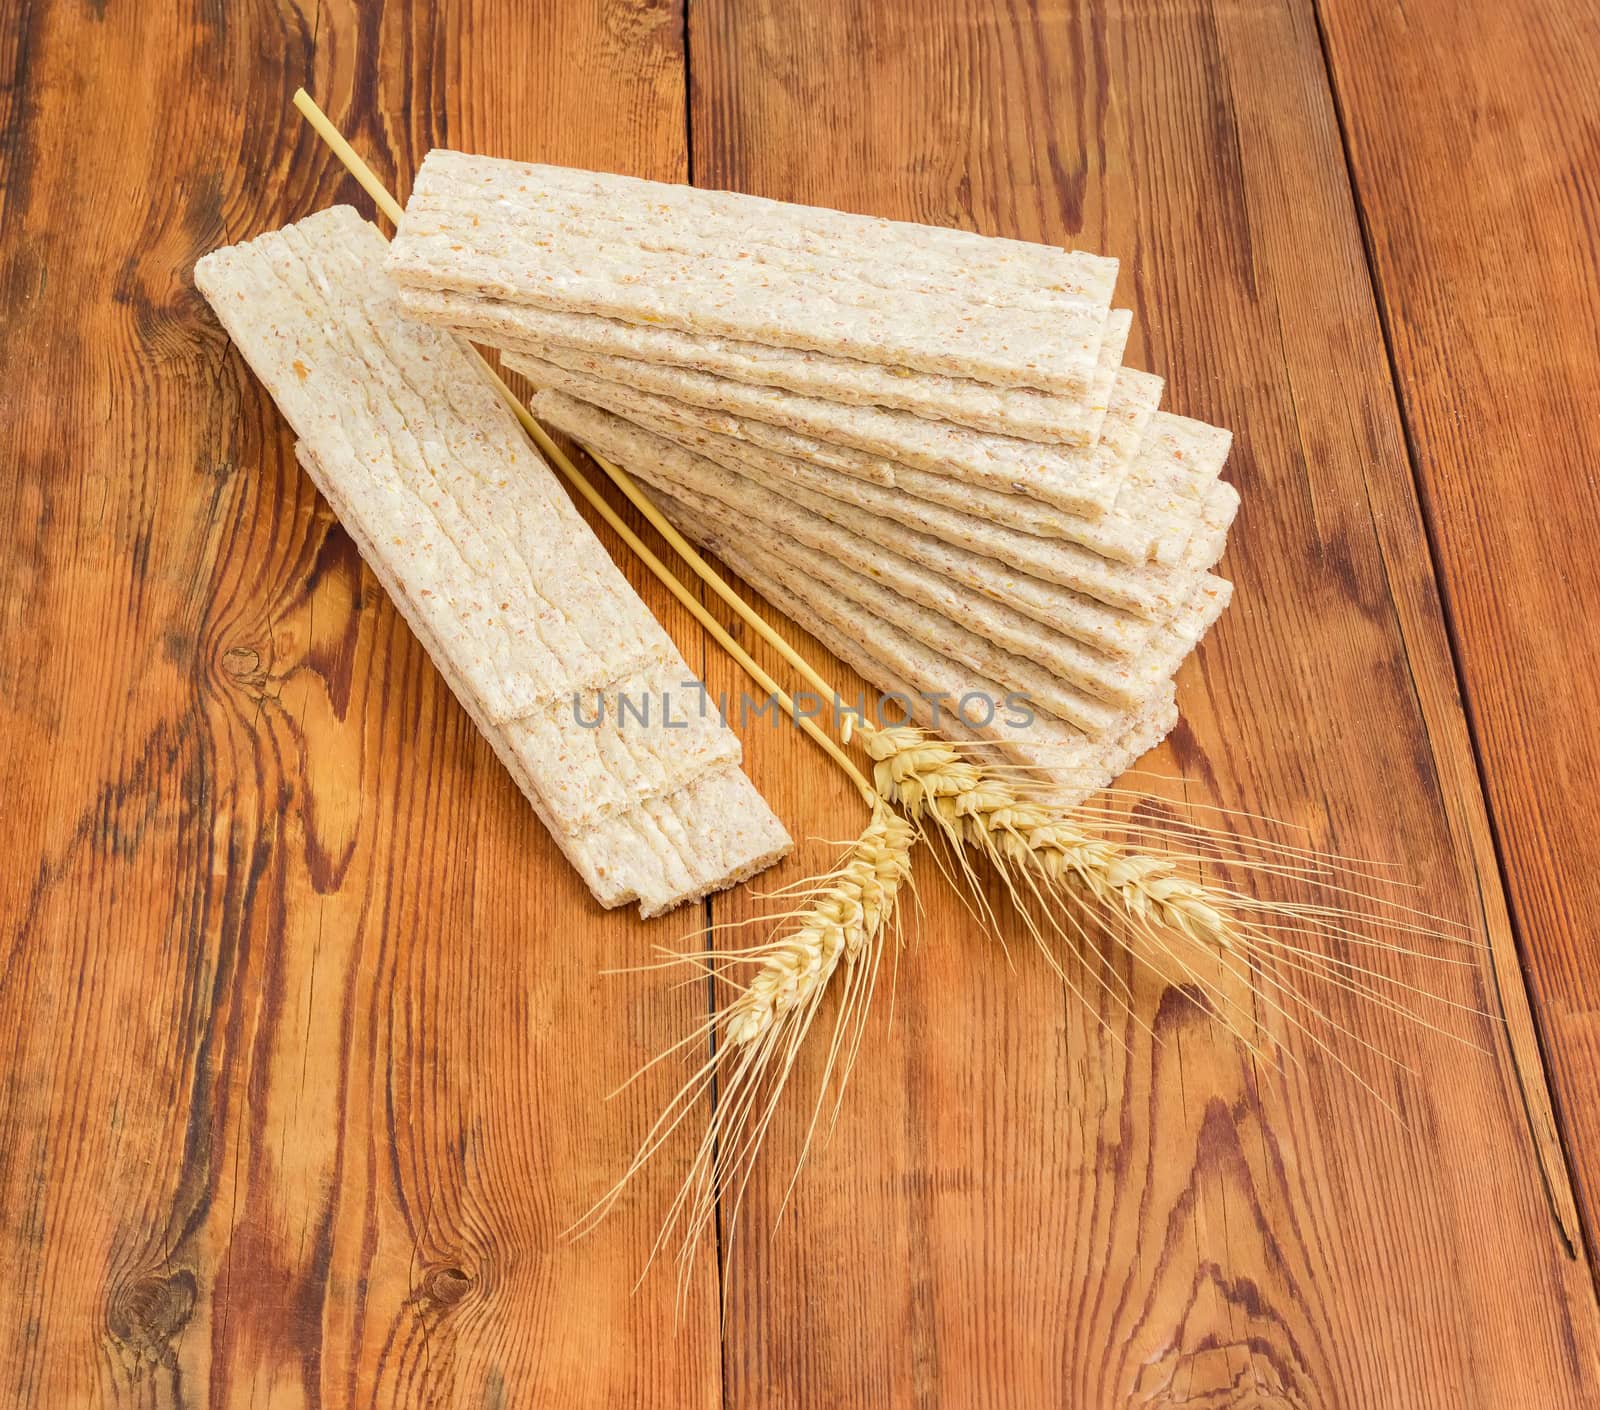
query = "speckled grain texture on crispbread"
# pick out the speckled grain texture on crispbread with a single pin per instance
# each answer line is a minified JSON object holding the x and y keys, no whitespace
{"x":1007,"y":411}
{"x":721,"y":497}
{"x":1085,"y":479}
{"x":887,"y":550}
{"x":1069,"y":763}
{"x":837,"y":591}
{"x":509,"y":590}
{"x":704,"y":820}
{"x":1145,"y":522}
{"x":944,"y":301}
{"x":1144,"y":589}
{"x":1122,"y":534}
{"x":1138,"y":585}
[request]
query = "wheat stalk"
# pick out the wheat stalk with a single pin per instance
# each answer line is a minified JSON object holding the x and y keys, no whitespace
{"x":848,"y":916}
{"x":840,"y":928}
{"x":969,"y":804}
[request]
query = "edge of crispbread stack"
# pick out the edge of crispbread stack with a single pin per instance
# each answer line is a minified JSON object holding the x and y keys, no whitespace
{"x":949,"y":640}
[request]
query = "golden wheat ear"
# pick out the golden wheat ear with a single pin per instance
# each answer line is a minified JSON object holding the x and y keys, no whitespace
{"x":837,"y":927}
{"x":1080,"y":870}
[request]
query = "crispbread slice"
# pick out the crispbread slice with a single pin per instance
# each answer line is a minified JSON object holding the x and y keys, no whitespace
{"x":675,"y":848}
{"x":920,"y":682}
{"x":1083,"y":479}
{"x":726,"y":499}
{"x":734,"y":266}
{"x":644,"y":409}
{"x":1136,"y":531}
{"x":1126,"y":533}
{"x":833,"y":588}
{"x":887,"y":551}
{"x":403,"y":431}
{"x":1136,"y":586}
{"x":696,"y":825}
{"x":1178,"y":463}
{"x":1007,"y":411}
{"x":835,"y":591}
{"x":1144,"y":589}
{"x":366,"y":393}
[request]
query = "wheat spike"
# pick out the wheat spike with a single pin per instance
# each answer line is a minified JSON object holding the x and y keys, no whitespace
{"x":840,"y":927}
{"x":1063,"y":856}
{"x":930,"y":778}
{"x":838,"y":924}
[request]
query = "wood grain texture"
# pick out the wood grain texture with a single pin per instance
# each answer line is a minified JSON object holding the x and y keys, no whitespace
{"x":1477,"y":168}
{"x":1023,"y":1206}
{"x":302,"y":1022}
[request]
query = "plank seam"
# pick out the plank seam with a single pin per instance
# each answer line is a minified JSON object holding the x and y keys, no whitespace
{"x":718,"y":1234}
{"x":1564,"y":1183}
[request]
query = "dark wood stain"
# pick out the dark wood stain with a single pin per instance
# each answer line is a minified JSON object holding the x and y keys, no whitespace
{"x":274,"y":928}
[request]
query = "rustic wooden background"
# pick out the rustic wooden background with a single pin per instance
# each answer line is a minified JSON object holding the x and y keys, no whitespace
{"x":305,"y":1039}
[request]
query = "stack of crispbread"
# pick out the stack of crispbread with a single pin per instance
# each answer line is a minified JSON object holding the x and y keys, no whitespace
{"x":919,"y":443}
{"x":520,"y":607}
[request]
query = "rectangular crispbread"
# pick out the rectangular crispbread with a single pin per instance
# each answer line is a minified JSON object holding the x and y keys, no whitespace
{"x":658,"y":851}
{"x":1006,"y":411}
{"x":985,"y":636}
{"x":1083,"y":479}
{"x":510,"y":592}
{"x":708,"y":262}
{"x":1125,"y":534}
{"x":1143,"y":527}
{"x":724,"y":498}
{"x":1145,"y":589}
{"x":1148,"y":475}
{"x":831,"y":587}
{"x":1136,"y":585}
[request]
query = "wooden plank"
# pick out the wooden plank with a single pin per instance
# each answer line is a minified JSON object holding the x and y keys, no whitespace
{"x":1025,"y":1205}
{"x":1475,"y":168}
{"x":302,"y":1026}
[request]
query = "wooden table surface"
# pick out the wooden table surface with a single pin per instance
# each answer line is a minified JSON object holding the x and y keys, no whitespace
{"x":305,"y":1033}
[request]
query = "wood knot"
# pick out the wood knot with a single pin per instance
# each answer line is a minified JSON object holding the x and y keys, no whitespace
{"x":147,"y":1314}
{"x":446,"y":1286}
{"x":241,"y":662}
{"x":242,"y":667}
